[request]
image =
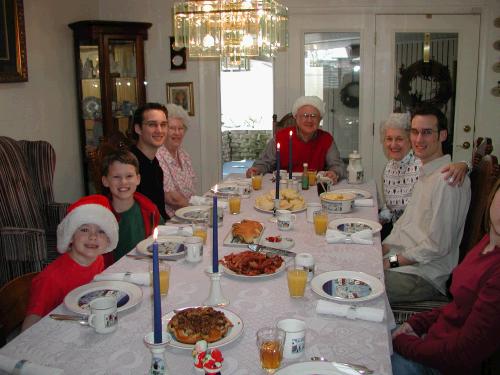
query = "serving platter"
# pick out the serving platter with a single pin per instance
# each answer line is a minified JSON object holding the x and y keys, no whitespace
{"x":314,"y":367}
{"x":286,"y":243}
{"x":236,"y":275}
{"x":271,"y":211}
{"x":127,"y":295}
{"x":193,"y":213}
{"x":359,"y":193}
{"x":169,"y":247}
{"x":229,"y":240}
{"x":352,"y":225}
{"x":347,"y":286}
{"x":234,"y":332}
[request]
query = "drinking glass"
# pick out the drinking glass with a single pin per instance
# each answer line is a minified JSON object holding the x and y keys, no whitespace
{"x":297,"y":280}
{"x":320,"y":220}
{"x":312,"y":177}
{"x":200,"y":230}
{"x":270,"y":342}
{"x":257,"y":181}
{"x":164,"y":276}
{"x":234,"y":204}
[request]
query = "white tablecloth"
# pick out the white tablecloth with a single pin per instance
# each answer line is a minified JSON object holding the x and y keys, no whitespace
{"x":78,"y":350}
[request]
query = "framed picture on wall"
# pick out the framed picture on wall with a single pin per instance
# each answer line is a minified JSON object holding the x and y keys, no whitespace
{"x":13,"y":65}
{"x":181,"y":93}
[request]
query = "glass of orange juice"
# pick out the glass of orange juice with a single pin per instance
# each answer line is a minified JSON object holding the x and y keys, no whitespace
{"x":297,"y":280}
{"x":164,"y":276}
{"x":320,"y":220}
{"x":312,"y":177}
{"x":270,"y":342}
{"x":257,"y":181}
{"x":234,"y":201}
{"x":200,"y":230}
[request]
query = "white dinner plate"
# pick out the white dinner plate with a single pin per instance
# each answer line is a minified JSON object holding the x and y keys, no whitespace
{"x":312,"y":368}
{"x":347,"y":286}
{"x":359,"y":193}
{"x":229,"y":240}
{"x":286,"y":243}
{"x":128,"y":295}
{"x":169,"y":247}
{"x":235,"y":331}
{"x":231,"y":273}
{"x":193,"y":213}
{"x":354,"y":224}
{"x":271,"y":211}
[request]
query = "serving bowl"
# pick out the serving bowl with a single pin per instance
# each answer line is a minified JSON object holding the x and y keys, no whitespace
{"x":336,"y":203}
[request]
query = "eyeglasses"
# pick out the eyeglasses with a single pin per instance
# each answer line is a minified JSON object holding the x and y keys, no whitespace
{"x":311,"y":116}
{"x":179,"y":129}
{"x":154,"y":124}
{"x":424,"y":132}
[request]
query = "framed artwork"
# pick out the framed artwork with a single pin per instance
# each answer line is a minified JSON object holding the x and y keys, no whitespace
{"x":13,"y":65}
{"x":181,"y":93}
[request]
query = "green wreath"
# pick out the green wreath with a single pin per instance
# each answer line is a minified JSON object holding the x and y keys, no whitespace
{"x":346,"y":95}
{"x":430,"y":71}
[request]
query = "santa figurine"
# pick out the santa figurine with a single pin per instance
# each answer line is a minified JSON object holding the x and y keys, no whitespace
{"x":199,"y":352}
{"x":212,"y":363}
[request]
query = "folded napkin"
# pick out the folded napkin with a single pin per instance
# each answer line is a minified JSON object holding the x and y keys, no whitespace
{"x":175,"y":230}
{"x":366,"y":202}
{"x":363,"y":237}
{"x":26,"y":368}
{"x":196,"y":200}
{"x":372,"y":314}
{"x":139,"y":278}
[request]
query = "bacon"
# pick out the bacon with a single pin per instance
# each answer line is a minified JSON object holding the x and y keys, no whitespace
{"x":250,"y":263}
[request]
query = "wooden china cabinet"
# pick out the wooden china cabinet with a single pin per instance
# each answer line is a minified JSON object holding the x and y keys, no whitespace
{"x":110,"y":81}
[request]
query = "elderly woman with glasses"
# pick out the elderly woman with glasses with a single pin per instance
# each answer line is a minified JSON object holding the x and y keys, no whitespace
{"x":178,"y":175}
{"x":403,"y":168}
{"x":309,"y":144}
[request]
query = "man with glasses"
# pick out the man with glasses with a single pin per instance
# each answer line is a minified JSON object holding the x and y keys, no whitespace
{"x":310,"y":144}
{"x":150,"y":127}
{"x":423,"y":246}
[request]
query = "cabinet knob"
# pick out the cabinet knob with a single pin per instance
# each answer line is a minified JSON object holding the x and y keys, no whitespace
{"x":467,"y":128}
{"x":465,"y":145}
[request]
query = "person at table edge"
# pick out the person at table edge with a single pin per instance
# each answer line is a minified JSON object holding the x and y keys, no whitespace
{"x":309,"y":144}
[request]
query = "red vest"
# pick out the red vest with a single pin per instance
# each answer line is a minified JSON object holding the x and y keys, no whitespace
{"x":313,"y":152}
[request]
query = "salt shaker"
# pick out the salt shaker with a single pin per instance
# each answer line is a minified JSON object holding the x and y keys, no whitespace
{"x":355,"y":168}
{"x":306,"y":261}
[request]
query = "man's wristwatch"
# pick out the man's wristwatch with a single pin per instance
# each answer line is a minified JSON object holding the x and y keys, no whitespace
{"x":393,"y":261}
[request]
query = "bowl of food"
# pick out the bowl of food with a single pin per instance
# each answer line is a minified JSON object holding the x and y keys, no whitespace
{"x":336,"y":203}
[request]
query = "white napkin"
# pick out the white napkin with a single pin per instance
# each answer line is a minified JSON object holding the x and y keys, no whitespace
{"x":29,"y":368}
{"x":363,"y":237}
{"x":372,"y":314}
{"x":366,"y":202}
{"x":175,"y":230}
{"x":196,"y":200}
{"x":139,"y":278}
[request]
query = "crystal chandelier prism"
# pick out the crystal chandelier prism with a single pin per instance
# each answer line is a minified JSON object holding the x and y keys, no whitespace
{"x":232,"y":30}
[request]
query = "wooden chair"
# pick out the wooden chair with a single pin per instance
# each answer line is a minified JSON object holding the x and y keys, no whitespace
{"x":482,"y":179}
{"x":286,"y":121}
{"x":14,"y":297}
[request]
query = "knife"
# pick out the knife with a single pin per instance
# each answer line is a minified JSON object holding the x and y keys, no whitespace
{"x":272,"y":250}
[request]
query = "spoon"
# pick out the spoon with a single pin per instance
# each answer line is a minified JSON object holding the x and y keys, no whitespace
{"x":358,"y":368}
{"x":76,"y":318}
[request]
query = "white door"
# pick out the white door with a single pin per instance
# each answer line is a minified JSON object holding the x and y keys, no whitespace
{"x":454,"y":44}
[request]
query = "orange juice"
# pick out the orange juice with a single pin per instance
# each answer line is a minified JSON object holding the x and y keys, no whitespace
{"x":270,"y":355}
{"x":234,"y":204}
{"x":202,"y":233}
{"x":257,"y":182}
{"x":320,"y":222}
{"x":164,"y":282}
{"x":297,"y":279}
{"x":312,"y":177}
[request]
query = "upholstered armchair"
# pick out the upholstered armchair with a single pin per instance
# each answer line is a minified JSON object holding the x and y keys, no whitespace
{"x":28,"y":214}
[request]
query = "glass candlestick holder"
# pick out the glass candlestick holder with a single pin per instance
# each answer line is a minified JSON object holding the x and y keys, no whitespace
{"x":276,"y":207}
{"x":215,"y":296}
{"x":158,"y":363}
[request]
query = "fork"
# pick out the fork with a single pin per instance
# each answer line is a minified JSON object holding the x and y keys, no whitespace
{"x":358,"y":368}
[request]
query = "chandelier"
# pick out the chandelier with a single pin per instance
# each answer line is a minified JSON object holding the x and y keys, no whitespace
{"x":232,"y":30}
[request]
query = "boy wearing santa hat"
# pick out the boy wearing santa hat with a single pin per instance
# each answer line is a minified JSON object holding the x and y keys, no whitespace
{"x":88,"y":231}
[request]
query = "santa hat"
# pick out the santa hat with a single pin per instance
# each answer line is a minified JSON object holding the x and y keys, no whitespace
{"x":93,"y":209}
{"x":309,"y":100}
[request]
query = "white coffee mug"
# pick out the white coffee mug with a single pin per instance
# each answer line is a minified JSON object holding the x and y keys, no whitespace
{"x":103,"y":314}
{"x":295,"y":339}
{"x":285,"y":219}
{"x":311,"y":209}
{"x":194,"y":249}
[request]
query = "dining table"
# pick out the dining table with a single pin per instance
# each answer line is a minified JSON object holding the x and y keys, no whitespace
{"x":258,"y":302}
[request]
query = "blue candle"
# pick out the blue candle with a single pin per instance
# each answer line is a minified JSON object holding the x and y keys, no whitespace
{"x":215,"y":240}
{"x":290,"y":159}
{"x":156,"y":291}
{"x":278,"y":171}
